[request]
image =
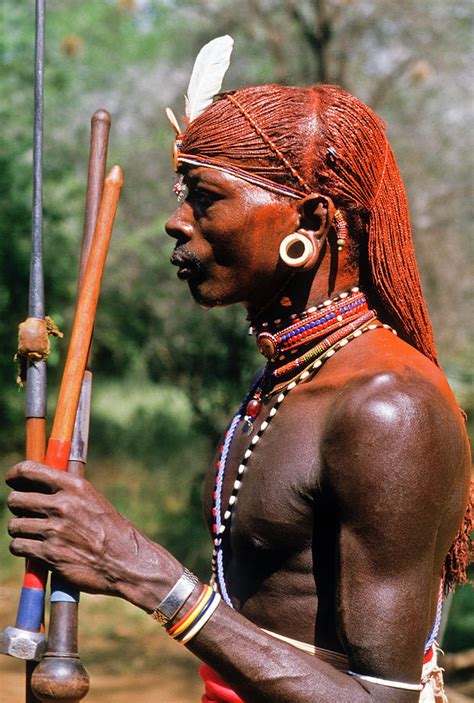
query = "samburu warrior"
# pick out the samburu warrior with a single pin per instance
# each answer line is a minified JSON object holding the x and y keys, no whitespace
{"x":336,"y":498}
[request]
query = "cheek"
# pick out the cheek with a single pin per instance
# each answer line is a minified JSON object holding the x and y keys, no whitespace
{"x":265,"y":226}
{"x":246,"y":237}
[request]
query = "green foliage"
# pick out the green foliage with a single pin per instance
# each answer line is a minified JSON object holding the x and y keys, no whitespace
{"x":150,"y":461}
{"x":459,"y":634}
{"x":169,"y":373}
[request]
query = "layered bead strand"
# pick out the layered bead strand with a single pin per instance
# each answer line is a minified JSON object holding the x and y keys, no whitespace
{"x":313,"y":323}
{"x":222,"y":523}
{"x":326,"y":343}
{"x":328,"y":322}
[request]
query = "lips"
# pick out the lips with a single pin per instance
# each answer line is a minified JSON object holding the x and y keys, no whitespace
{"x":184,"y":272}
{"x":189,"y":266}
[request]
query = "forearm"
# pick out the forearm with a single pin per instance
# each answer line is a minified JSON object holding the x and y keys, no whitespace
{"x":145,"y":577}
{"x":262,"y":669}
{"x":258,"y":667}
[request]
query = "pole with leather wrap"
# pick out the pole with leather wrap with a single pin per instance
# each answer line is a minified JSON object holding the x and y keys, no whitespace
{"x":59,"y":444}
{"x":60,"y":675}
{"x":26,"y":639}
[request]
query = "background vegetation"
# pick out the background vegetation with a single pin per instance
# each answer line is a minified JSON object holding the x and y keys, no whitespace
{"x":167,"y":374}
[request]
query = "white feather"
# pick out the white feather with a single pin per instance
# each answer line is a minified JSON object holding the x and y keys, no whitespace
{"x":172,"y":120}
{"x":208,"y":73}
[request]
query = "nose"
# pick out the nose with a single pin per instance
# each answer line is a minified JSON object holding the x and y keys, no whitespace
{"x":179,"y":225}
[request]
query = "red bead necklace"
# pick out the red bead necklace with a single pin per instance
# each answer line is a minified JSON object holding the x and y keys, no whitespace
{"x":327,"y":322}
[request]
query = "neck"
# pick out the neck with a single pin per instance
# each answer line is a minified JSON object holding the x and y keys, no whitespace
{"x":301,"y":291}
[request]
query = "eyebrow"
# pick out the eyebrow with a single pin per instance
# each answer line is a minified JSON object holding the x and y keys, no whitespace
{"x":201,"y":178}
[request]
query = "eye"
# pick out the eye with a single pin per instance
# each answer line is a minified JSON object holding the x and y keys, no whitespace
{"x":201,"y":199}
{"x":204,"y":198}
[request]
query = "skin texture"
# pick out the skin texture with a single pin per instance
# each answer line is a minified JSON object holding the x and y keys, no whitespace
{"x":350,"y":501}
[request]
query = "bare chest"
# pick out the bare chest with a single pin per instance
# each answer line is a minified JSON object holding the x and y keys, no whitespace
{"x":270,"y":483}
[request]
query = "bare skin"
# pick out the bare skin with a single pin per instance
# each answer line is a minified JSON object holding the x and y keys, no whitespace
{"x":350,"y":502}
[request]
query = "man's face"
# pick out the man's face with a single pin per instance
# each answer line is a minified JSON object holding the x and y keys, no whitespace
{"x":228,"y":234}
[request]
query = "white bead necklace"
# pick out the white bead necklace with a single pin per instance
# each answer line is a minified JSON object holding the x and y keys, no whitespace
{"x":222,"y":524}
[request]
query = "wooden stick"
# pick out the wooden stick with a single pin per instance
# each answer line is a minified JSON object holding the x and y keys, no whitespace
{"x":59,"y":445}
{"x":60,"y":675}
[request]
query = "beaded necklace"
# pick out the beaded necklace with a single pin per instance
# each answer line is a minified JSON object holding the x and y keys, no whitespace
{"x":327,"y":322}
{"x":222,"y":522}
{"x":314,"y":323}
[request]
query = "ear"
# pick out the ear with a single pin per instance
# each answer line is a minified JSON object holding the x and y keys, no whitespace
{"x":317,"y":214}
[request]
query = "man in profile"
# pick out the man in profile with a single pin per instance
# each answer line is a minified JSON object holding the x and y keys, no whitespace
{"x":336,"y":498}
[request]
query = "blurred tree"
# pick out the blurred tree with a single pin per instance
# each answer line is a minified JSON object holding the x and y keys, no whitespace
{"x":134,"y":57}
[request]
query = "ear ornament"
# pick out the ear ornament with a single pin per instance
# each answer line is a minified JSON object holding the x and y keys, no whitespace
{"x":341,"y":230}
{"x":304,"y":246}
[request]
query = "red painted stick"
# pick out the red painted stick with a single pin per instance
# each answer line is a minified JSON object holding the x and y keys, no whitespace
{"x":59,"y":445}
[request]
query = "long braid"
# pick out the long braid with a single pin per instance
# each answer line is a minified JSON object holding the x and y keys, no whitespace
{"x":261,"y":133}
{"x":364,"y":172}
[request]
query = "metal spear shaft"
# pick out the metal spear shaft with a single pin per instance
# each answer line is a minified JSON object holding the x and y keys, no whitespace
{"x":26,"y":640}
{"x":35,"y":406}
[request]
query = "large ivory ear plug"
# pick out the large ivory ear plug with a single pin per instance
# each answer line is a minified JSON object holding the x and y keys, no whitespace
{"x":296,"y":249}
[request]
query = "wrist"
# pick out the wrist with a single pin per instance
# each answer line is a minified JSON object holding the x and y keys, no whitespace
{"x":149,"y":575}
{"x":176,"y":598}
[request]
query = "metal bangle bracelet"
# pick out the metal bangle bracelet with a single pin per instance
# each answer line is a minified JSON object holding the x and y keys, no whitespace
{"x":176,"y":598}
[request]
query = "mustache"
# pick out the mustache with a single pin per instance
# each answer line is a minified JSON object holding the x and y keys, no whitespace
{"x":185,"y":258}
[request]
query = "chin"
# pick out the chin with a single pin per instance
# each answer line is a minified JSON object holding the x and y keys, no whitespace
{"x":206,"y":298}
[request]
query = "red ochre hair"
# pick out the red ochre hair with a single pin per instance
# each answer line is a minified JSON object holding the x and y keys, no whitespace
{"x":325,"y":140}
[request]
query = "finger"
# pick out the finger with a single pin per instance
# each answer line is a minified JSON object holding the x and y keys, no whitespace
{"x":22,"y":504}
{"x":22,"y":547}
{"x":29,"y":475}
{"x":36,"y":528}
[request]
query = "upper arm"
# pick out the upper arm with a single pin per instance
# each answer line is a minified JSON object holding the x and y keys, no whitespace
{"x":388,"y":454}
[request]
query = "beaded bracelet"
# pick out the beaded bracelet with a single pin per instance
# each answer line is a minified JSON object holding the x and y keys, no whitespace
{"x":195,"y":616}
{"x":204,"y":617}
{"x":185,"y":630}
{"x":188,"y":617}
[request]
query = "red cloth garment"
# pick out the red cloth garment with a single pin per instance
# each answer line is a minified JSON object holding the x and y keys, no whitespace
{"x":215,"y":689}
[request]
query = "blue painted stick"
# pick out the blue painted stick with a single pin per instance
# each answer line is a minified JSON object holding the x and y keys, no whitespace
{"x":26,"y":639}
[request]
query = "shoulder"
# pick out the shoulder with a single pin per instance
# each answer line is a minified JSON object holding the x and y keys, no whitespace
{"x":392,"y":399}
{"x":390,"y":387}
{"x":394,"y":427}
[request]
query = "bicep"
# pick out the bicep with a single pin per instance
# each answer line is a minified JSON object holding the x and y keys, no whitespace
{"x":384,"y":605}
{"x":381,"y":461}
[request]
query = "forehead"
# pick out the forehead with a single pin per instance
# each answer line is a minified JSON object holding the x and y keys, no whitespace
{"x":228,"y":185}
{"x":204,"y":175}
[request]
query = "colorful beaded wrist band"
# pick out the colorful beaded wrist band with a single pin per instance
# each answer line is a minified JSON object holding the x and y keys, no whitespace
{"x":203,"y":617}
{"x":176,"y":598}
{"x":188,"y":627}
{"x":187,"y":619}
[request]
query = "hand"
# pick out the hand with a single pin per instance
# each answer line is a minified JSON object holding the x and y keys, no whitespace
{"x":63,"y":521}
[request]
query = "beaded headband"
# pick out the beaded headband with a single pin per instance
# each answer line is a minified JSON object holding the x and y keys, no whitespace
{"x":195,"y":160}
{"x":206,"y":80}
